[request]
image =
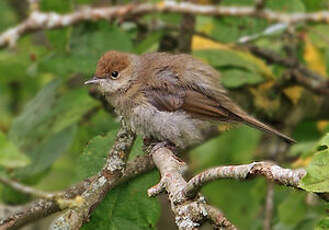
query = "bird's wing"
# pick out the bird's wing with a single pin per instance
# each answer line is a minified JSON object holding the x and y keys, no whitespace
{"x":170,"y":92}
{"x":166,"y":94}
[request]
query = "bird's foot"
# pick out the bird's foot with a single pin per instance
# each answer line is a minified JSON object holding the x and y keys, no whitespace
{"x":151,"y":145}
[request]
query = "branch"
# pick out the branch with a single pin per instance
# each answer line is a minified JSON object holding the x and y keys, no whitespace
{"x":29,"y":190}
{"x":106,"y":179}
{"x":8,"y":210}
{"x":43,"y":208}
{"x":40,"y":21}
{"x":217,"y":218}
{"x":189,"y":213}
{"x":40,"y":208}
{"x":187,"y":26}
{"x":272,"y":172}
{"x":269,"y":206}
{"x":301,"y":74}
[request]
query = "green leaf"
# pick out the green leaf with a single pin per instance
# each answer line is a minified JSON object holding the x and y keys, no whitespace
{"x":318,"y":35}
{"x":238,"y":2}
{"x":323,"y":224}
{"x":296,"y":202}
{"x":127,"y":206}
{"x":47,"y":126}
{"x":244,"y":200}
{"x":323,"y":143}
{"x":44,"y":155}
{"x":10,"y":155}
{"x":230,"y":29}
{"x":8,"y":16}
{"x":34,"y":114}
{"x":70,"y":108}
{"x":317,"y":177}
{"x":237,"y":68}
{"x":60,"y":6}
{"x":59,"y":39}
{"x":286,"y":6}
{"x":94,"y":155}
{"x":224,"y":58}
{"x":317,"y":5}
{"x":234,"y":146}
{"x":11,"y":196}
{"x":149,"y":43}
{"x":234,"y":78}
{"x":87,"y":43}
{"x":302,"y":147}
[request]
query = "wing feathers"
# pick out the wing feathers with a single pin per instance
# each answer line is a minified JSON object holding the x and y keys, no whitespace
{"x":199,"y":105}
{"x":171,"y":92}
{"x":248,"y":120}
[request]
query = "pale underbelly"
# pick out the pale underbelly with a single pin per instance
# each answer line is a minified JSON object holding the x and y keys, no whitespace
{"x":175,"y":127}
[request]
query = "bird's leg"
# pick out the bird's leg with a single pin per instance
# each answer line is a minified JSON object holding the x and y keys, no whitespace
{"x":151,"y":144}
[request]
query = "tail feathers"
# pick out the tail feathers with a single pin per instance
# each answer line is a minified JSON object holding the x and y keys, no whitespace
{"x":259,"y":125}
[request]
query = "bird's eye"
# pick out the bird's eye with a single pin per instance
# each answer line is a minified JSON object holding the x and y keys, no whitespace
{"x":114,"y":75}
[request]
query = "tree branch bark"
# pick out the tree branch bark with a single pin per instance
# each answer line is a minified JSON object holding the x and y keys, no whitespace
{"x":272,"y":172}
{"x":106,"y":179}
{"x":40,"y":21}
{"x":189,"y":213}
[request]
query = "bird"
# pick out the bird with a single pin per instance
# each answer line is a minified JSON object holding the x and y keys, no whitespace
{"x":172,"y":98}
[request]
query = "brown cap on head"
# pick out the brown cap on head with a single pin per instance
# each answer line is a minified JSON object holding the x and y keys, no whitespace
{"x":111,"y":61}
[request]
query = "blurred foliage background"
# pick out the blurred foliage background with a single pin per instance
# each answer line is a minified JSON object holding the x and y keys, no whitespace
{"x":54,"y":133}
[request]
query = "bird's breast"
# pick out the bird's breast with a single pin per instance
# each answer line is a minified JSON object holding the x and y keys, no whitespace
{"x":176,"y":127}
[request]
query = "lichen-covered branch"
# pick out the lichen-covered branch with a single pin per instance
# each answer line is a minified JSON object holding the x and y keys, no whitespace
{"x":45,"y":21}
{"x":106,"y":179}
{"x":272,"y":172}
{"x":8,"y":210}
{"x":189,"y":213}
{"x":217,"y":218}
{"x":40,"y":208}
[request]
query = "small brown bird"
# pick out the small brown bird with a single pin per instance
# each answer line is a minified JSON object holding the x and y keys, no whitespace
{"x":167,"y":97}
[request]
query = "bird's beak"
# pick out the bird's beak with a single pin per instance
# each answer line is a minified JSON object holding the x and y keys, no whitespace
{"x":94,"y":80}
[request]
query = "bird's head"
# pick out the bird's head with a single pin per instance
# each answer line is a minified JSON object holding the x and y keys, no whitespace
{"x":114,"y":72}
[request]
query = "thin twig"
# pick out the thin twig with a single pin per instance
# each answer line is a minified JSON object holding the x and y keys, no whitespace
{"x":40,"y":21}
{"x":40,"y":208}
{"x":288,"y":177}
{"x":301,"y":74}
{"x":269,"y":205}
{"x":273,"y":57}
{"x":29,"y":190}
